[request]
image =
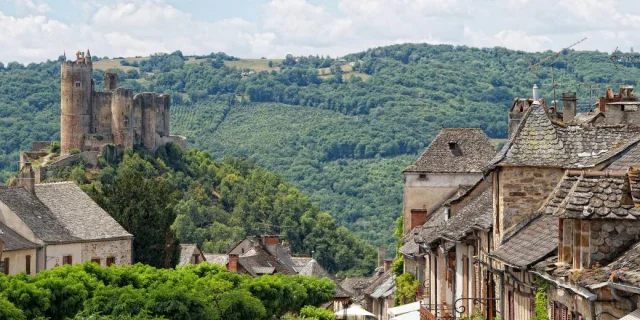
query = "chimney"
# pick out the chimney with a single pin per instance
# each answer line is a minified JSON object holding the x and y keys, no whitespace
{"x":232,"y":265}
{"x":27,"y":178}
{"x":536,"y":94}
{"x":568,"y":106}
{"x":418,"y":218}
{"x":270,"y":243}
{"x":387,"y":265}
{"x":382,"y":254}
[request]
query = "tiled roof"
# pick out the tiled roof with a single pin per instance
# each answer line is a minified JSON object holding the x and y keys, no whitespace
{"x":540,"y":142}
{"x":476,"y":215}
{"x":258,"y":261}
{"x":593,"y":197}
{"x":381,"y":286}
{"x":42,"y":222}
{"x":14,"y":241}
{"x":455,"y":150}
{"x":531,"y":243}
{"x":353,"y":284}
{"x":75,"y":210}
{"x":217,"y":258}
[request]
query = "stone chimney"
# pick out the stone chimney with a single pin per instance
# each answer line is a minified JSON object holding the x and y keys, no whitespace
{"x":233,"y":263}
{"x":27,"y":178}
{"x":418,"y":217}
{"x":382,"y":255}
{"x":387,"y":265}
{"x":568,"y":106}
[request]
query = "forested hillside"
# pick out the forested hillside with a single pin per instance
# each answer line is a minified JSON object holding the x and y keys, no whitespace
{"x":341,"y":130}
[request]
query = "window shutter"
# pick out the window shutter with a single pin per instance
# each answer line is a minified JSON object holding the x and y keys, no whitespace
{"x":28,"y":264}
{"x":552,"y":308}
{"x":6,"y":266}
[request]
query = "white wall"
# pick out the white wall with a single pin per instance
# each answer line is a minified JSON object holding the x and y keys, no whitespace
{"x":54,"y":254}
{"x":18,"y":260}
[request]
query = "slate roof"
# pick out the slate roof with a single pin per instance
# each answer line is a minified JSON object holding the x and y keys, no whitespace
{"x":530,"y":244}
{"x":221,"y":259}
{"x":354,"y":284}
{"x":78,"y":213}
{"x":593,"y":197}
{"x":473,"y":150}
{"x":257,"y":261}
{"x":382,"y":287}
{"x":631,"y":158}
{"x":313,"y":268}
{"x":541,"y":142}
{"x":187,"y":250}
{"x":35,"y":215}
{"x":476,"y":215}
{"x":14,"y":241}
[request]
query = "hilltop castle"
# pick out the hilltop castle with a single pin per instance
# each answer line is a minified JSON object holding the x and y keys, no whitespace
{"x":90,"y":120}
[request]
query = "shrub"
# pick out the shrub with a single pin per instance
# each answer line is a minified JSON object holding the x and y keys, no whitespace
{"x":311,"y":312}
{"x":54,"y":147}
{"x":74,"y":151}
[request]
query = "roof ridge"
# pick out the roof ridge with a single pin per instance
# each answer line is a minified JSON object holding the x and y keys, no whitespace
{"x":56,"y":183}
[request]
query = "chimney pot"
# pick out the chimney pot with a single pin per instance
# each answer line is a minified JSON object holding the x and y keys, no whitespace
{"x":536,"y":93}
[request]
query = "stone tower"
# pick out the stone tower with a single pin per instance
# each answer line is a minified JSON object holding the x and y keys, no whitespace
{"x":76,"y":87}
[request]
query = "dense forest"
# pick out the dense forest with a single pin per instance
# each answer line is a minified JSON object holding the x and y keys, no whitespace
{"x":173,"y":196}
{"x":339,"y":129}
{"x":140,"y":292}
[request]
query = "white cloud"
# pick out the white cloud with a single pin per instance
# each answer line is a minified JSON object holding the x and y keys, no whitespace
{"x":31,"y":7}
{"x":141,"y":27}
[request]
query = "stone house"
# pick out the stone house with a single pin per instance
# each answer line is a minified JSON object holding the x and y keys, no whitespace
{"x":62,"y":223}
{"x":17,"y":254}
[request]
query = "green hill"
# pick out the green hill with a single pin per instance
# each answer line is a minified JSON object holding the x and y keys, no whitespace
{"x":340,"y":137}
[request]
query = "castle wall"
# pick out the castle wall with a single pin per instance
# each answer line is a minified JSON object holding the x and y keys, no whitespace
{"x":122,"y":117}
{"x":102,"y":116}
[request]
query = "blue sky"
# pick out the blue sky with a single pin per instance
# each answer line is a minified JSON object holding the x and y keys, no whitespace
{"x":36,"y":30}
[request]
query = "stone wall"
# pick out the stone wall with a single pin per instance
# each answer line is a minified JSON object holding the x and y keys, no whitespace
{"x":610,"y":238}
{"x":118,"y":249}
{"x":521,"y":191}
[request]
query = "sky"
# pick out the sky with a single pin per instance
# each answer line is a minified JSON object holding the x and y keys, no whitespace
{"x":36,"y":30}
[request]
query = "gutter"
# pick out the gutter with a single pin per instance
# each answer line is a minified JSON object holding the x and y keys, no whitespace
{"x":580,"y":291}
{"x":615,"y":292}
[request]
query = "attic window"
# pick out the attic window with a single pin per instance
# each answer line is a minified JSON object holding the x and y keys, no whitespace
{"x":455,"y":148}
{"x":422,"y":176}
{"x":77,"y":84}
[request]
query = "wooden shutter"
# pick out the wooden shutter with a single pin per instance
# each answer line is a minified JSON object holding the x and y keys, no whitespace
{"x":6,"y":266}
{"x":96,"y":260}
{"x":512,"y":311}
{"x":28,"y":264}
{"x":67,"y":260}
{"x":110,"y":261}
{"x":552,"y":309}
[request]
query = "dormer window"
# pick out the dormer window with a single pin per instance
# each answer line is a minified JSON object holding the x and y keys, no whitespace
{"x":455,"y":148}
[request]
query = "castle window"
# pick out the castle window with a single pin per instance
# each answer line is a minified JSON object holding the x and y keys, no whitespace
{"x":78,"y":84}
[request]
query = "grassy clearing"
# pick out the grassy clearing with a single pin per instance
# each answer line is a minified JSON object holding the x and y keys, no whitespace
{"x":256,"y":65}
{"x":115,"y":64}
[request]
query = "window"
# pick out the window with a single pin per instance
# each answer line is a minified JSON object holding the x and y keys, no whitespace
{"x":5,"y":266}
{"x":422,"y":176}
{"x":96,"y":260}
{"x":196,"y":258}
{"x":78,"y":84}
{"x":67,"y":260}
{"x":28,"y":264}
{"x":110,"y":261}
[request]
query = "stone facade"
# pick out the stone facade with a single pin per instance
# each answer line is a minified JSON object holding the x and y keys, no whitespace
{"x":90,"y":120}
{"x":521,"y":190}
{"x":120,"y":250}
{"x":610,"y":238}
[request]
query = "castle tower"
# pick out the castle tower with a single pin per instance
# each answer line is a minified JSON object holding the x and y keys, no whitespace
{"x":75,"y":94}
{"x":122,"y":117}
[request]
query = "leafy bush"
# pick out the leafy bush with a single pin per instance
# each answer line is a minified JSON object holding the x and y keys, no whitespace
{"x":311,"y":312}
{"x":406,"y":289}
{"x":74,"y":151}
{"x":88,"y":291}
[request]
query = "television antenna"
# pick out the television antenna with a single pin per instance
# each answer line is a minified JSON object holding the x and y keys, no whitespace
{"x":554,"y":84}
